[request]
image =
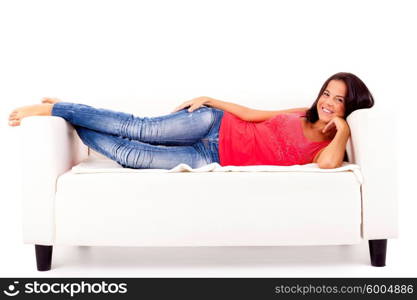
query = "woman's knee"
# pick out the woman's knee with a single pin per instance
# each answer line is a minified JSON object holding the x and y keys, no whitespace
{"x":205,"y":116}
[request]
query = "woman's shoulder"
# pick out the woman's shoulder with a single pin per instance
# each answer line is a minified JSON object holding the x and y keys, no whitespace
{"x":300,"y":113}
{"x":295,"y":114}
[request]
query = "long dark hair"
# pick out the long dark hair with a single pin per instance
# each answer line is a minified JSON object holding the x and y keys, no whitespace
{"x":358,"y":96}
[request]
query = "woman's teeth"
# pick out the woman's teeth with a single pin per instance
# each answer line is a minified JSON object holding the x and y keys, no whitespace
{"x":327,"y":111}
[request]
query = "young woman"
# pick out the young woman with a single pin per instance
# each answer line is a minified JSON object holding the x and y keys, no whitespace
{"x":212,"y":130}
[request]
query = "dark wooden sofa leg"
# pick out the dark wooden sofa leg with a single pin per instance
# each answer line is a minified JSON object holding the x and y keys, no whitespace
{"x":43,"y":257}
{"x":378,"y":252}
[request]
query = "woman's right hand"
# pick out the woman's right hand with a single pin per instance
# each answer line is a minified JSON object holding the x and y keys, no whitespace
{"x":193,"y":104}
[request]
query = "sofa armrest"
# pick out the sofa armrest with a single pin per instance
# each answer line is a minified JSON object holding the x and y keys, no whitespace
{"x":372,"y":146}
{"x":49,"y":147}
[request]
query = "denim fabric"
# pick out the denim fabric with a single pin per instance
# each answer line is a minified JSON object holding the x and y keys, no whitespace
{"x":147,"y":142}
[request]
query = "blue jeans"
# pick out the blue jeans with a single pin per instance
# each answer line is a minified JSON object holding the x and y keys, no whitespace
{"x":149,"y":142}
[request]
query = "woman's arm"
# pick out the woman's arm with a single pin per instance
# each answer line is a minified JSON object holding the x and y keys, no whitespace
{"x":242,"y":112}
{"x":332,"y":155}
{"x":248,"y":114}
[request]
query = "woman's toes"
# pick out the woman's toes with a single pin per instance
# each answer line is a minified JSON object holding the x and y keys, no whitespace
{"x":13,"y":115}
{"x":14,"y":123}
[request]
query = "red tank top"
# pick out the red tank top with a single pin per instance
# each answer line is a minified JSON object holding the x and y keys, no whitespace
{"x":277,"y":141}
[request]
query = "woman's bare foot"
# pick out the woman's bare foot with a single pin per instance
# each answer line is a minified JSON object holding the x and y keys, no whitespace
{"x":50,"y":100}
{"x":18,"y":114}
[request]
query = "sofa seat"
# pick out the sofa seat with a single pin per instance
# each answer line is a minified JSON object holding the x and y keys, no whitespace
{"x":228,"y":209}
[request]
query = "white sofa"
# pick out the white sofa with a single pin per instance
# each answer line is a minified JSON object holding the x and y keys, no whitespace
{"x":206,"y":209}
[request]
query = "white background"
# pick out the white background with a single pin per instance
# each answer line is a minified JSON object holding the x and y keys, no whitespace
{"x":114,"y":54}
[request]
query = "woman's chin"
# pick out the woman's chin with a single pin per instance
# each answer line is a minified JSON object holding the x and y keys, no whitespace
{"x":326,"y":118}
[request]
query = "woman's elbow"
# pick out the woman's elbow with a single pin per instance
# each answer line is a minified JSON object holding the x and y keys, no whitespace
{"x":329,"y":165}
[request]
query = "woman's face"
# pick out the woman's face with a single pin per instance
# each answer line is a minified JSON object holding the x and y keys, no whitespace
{"x":332,"y":102}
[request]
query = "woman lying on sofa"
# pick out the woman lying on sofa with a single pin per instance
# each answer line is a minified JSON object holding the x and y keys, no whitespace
{"x":212,"y":130}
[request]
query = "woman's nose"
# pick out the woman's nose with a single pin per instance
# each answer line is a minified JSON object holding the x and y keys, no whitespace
{"x":330,"y":104}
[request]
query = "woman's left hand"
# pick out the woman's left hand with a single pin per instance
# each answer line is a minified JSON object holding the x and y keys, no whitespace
{"x":337,"y":123}
{"x":193,"y":104}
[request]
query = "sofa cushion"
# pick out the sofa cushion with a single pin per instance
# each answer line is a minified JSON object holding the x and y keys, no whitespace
{"x":104,"y":165}
{"x":152,"y":208}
